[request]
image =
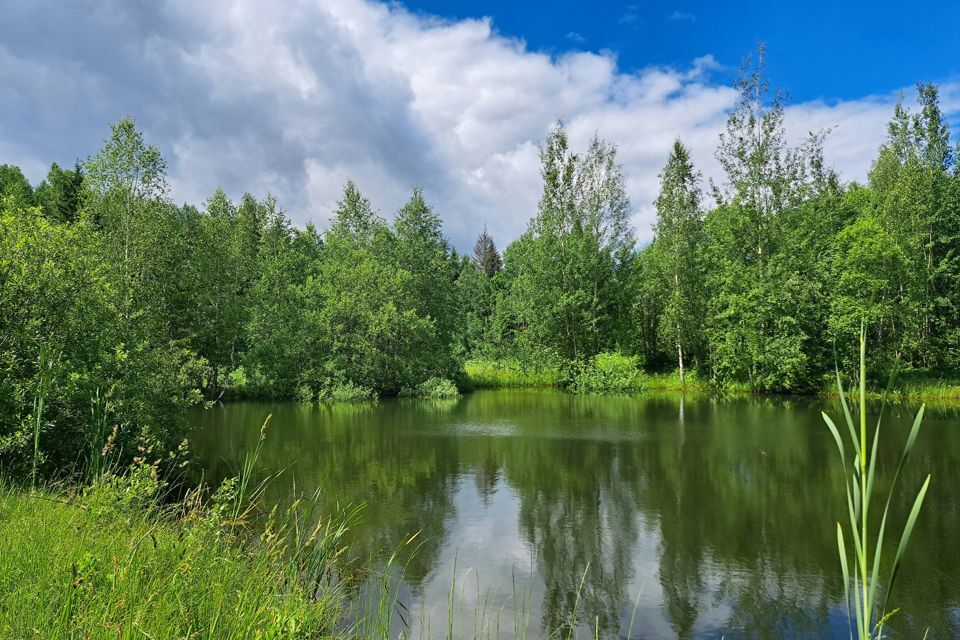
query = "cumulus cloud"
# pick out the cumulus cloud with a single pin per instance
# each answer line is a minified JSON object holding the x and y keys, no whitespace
{"x":295,"y":98}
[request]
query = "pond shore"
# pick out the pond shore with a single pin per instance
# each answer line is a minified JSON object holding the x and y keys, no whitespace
{"x":498,"y":374}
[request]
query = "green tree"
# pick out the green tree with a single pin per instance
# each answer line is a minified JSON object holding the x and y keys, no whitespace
{"x":678,"y":238}
{"x":485,"y":255}
{"x":226,"y":267}
{"x":367,"y":312}
{"x":59,"y":296}
{"x":568,"y":271}
{"x":126,"y":197}
{"x":15,"y":186}
{"x":868,"y":272}
{"x":60,"y":193}
{"x":477,"y":300}
{"x":276,"y":352}
{"x":421,"y":250}
{"x":757,"y":328}
{"x":914,"y":191}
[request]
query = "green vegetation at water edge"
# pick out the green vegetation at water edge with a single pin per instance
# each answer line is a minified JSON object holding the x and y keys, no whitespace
{"x":108,"y":562}
{"x":484,"y":373}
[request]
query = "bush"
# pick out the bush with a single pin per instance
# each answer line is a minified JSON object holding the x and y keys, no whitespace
{"x":346,"y":392}
{"x":607,"y":373}
{"x":437,"y":389}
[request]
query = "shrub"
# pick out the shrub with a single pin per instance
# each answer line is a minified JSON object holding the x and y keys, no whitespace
{"x":437,"y":389}
{"x":346,"y":392}
{"x":607,"y":373}
{"x":236,"y":381}
{"x":304,"y":393}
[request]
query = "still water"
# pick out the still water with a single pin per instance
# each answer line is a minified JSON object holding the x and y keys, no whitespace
{"x":695,"y":518}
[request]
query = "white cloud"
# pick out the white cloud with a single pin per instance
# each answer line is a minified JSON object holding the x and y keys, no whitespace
{"x":295,"y":98}
{"x":681,"y":16}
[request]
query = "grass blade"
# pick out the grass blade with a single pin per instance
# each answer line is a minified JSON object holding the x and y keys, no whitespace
{"x":846,"y":414}
{"x":836,"y":437}
{"x":905,"y":538}
{"x":845,"y":569}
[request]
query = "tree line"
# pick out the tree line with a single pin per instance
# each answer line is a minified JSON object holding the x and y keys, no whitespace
{"x":762,"y":279}
{"x":121,"y":307}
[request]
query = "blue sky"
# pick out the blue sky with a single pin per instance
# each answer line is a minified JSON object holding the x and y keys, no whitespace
{"x":295,"y":97}
{"x":817,"y":49}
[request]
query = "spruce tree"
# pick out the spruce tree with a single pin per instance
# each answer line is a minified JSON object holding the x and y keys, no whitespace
{"x":485,"y":255}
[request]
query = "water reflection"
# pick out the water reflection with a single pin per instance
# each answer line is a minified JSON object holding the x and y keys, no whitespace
{"x":696,"y":518}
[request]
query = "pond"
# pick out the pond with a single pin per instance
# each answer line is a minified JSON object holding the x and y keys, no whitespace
{"x":661,"y":517}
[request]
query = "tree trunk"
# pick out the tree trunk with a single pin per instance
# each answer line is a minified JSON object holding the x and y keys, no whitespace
{"x":680,"y":361}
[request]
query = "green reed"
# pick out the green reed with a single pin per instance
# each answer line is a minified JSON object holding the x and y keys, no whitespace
{"x":860,"y":585}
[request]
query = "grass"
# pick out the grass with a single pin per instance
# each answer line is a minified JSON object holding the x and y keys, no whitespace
{"x":925,"y":386}
{"x":490,"y":374}
{"x":671,"y":382}
{"x":108,"y":562}
{"x":911,"y":386}
{"x":493,"y":374}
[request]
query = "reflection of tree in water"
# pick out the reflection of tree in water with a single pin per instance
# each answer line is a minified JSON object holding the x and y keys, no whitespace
{"x":681,"y":540}
{"x":743,"y":494}
{"x":406,"y":477}
{"x":575,"y":512}
{"x":487,"y":471}
{"x":714,"y":489}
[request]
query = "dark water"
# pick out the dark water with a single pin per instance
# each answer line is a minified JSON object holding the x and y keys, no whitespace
{"x":699,"y":518}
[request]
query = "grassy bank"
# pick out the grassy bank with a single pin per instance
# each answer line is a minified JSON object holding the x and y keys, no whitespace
{"x":912,"y":386}
{"x":107,"y":562}
{"x":493,"y":374}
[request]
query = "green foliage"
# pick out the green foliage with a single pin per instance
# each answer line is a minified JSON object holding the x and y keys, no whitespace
{"x":509,"y":373}
{"x":57,"y":297}
{"x":14,"y":186}
{"x":607,"y":373}
{"x":868,"y":272}
{"x":675,"y":260}
{"x":437,"y":389}
{"x":774,"y":282}
{"x":915,"y":196}
{"x":59,"y":195}
{"x":566,"y":275}
{"x":347,"y":392}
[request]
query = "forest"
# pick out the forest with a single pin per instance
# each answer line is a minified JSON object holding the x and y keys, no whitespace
{"x":120,"y":308}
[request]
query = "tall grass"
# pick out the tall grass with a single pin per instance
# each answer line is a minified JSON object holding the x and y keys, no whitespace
{"x":85,"y":566}
{"x":868,"y":614}
{"x":41,"y":390}
{"x":492,"y":374}
{"x":113,"y":560}
{"x":98,"y":435}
